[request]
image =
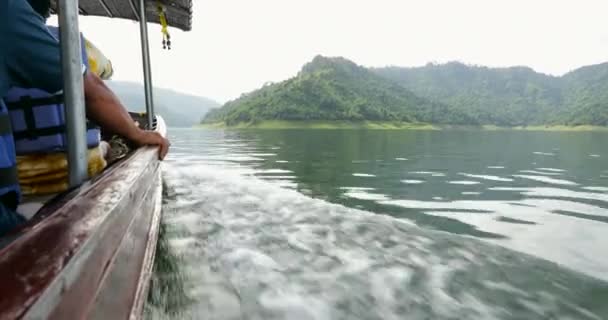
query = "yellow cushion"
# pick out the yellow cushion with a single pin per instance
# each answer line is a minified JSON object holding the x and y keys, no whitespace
{"x":48,"y":173}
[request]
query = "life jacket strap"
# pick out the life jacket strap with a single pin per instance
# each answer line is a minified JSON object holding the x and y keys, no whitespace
{"x":29,"y":102}
{"x":5,"y":124}
{"x":32,"y":134}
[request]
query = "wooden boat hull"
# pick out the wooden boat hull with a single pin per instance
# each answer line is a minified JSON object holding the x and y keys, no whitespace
{"x":90,"y":253}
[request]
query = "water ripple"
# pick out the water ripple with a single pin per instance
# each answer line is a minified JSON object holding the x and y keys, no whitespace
{"x":277,"y":254}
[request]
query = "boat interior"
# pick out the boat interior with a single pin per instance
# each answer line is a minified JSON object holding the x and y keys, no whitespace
{"x":88,"y":252}
{"x":37,"y":207}
{"x":67,"y":258}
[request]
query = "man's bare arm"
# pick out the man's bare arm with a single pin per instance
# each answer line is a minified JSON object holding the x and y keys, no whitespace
{"x":104,"y":108}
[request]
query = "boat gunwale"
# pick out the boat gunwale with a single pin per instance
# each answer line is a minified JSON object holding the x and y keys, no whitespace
{"x":147,"y":266}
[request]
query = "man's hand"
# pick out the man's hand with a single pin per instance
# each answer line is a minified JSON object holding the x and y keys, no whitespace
{"x":104,"y":108}
{"x":153,"y":138}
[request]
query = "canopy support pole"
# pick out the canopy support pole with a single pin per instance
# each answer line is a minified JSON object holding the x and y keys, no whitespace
{"x":73,"y":91}
{"x":145,"y":52}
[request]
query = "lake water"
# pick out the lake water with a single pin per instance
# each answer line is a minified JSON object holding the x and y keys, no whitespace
{"x":355,"y":224}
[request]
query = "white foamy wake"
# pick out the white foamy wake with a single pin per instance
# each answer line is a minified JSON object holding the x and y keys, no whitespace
{"x":463,"y":182}
{"x":363,"y":175}
{"x":412,"y":181}
{"x":429,"y":173}
{"x":254,"y":250}
{"x":552,"y":169}
{"x":365,"y":195}
{"x":594,"y":188}
{"x":548,"y":228}
{"x":486,"y":177}
{"x":541,"y":172}
{"x":546,"y":179}
{"x":556,"y":193}
{"x":544,"y":153}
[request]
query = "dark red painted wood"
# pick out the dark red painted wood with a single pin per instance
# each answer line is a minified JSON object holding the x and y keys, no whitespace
{"x":129,"y":263}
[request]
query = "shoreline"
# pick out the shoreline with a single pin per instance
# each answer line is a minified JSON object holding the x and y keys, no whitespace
{"x":389,"y":125}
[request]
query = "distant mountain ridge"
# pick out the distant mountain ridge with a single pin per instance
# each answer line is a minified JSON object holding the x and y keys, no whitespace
{"x":501,"y":96}
{"x":451,"y":93}
{"x":178,"y":109}
{"x":335,"y":89}
{"x":511,"y":96}
{"x":587,"y":90}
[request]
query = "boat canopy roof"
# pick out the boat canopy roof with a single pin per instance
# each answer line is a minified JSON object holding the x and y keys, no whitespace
{"x":178,"y":12}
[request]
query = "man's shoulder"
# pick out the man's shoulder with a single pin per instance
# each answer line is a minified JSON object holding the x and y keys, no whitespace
{"x":19,"y":11}
{"x":34,"y":55}
{"x":14,"y":6}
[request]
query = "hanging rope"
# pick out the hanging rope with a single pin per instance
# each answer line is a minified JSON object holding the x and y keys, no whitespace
{"x":163,"y":22}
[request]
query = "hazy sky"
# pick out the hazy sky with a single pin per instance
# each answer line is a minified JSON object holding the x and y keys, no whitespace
{"x":238,"y":45}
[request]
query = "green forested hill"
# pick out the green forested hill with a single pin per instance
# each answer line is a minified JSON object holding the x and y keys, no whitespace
{"x":507,"y":96}
{"x":511,"y":96}
{"x":452,"y":93}
{"x":336,"y":89}
{"x":586,"y":95}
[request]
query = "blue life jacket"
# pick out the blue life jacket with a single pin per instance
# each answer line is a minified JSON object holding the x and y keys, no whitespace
{"x":38,"y":118}
{"x":9,"y":182}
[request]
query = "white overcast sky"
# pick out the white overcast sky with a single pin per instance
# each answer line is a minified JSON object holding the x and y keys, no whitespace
{"x":238,"y":45}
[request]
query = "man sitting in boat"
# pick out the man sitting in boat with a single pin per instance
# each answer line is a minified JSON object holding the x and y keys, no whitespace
{"x":39,"y":127}
{"x":30,"y":57}
{"x":92,"y":57}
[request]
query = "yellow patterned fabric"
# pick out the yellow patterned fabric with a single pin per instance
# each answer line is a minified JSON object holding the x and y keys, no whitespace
{"x":48,"y":173}
{"x":98,"y":62}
